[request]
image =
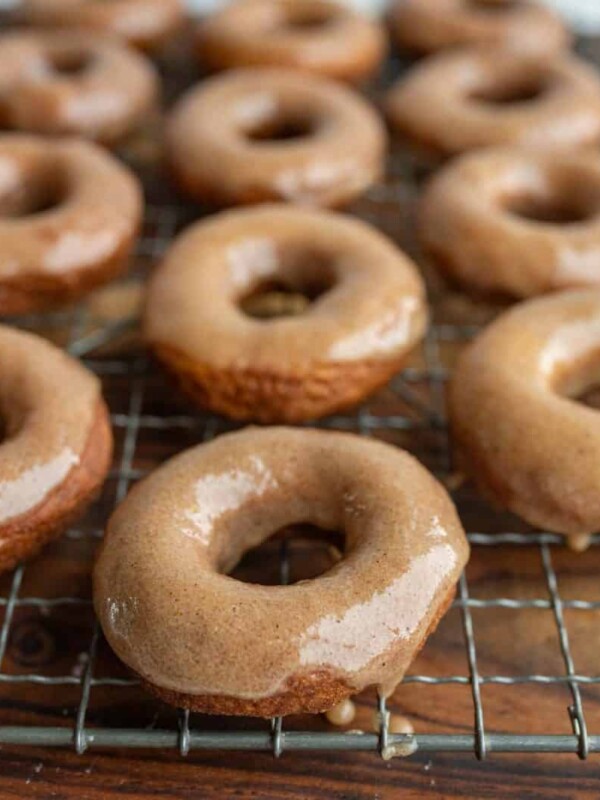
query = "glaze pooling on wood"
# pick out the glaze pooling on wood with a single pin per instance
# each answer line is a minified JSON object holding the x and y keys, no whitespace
{"x":173,"y":617}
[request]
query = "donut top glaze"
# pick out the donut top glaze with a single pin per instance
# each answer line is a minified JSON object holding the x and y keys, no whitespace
{"x":73,"y":82}
{"x":460,"y":100}
{"x":320,"y":36}
{"x":89,"y":205}
{"x":48,"y":403}
{"x":173,"y":616}
{"x":431,"y":25}
{"x":372,"y":304}
{"x":141,"y":22}
{"x":340,"y":153}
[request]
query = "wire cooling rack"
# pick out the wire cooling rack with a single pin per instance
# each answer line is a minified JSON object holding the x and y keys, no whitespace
{"x":57,"y":674}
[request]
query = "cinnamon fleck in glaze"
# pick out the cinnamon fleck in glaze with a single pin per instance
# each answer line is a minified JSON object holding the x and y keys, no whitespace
{"x":515,"y":221}
{"x":426,"y":26}
{"x":56,"y":446}
{"x":461,"y":100}
{"x":69,"y":216}
{"x":62,"y":82}
{"x":318,"y":36}
{"x":143,"y":23}
{"x":223,"y":145}
{"x":195,"y":635}
{"x":518,"y":432}
{"x":350,"y":340}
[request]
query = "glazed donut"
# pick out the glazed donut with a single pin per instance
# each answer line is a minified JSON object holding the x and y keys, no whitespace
{"x":320,"y":36}
{"x":56,"y":447}
{"x":426,"y":26}
{"x":227,"y":647}
{"x":143,"y":23}
{"x":255,"y":135}
{"x":367,"y":314}
{"x":516,"y":429}
{"x":458,"y":101}
{"x":69,"y":216}
{"x":515,"y":222}
{"x":72,"y":83}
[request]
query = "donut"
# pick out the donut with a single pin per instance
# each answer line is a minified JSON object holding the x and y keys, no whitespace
{"x":255,"y":135}
{"x":367,"y":312}
{"x":146,"y":24}
{"x":204,"y":641}
{"x":56,"y":447}
{"x":426,"y":26}
{"x":515,"y":222}
{"x":457,"y":101}
{"x":319,"y":36}
{"x":60,"y":83}
{"x":69,"y":217}
{"x":516,"y":428}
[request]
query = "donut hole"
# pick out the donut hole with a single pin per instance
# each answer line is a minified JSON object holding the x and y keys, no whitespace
{"x":302,"y":279}
{"x":308,"y":19}
{"x":70,"y":63}
{"x":273,"y":299}
{"x":492,"y":6}
{"x":38,"y":194}
{"x":580,"y":380}
{"x":281,"y":129}
{"x":554,"y":209}
{"x":297,"y":552}
{"x":511,"y":92}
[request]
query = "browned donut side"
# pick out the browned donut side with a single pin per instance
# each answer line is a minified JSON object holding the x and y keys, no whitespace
{"x":336,"y":198}
{"x":268,"y":397}
{"x":26,"y":534}
{"x":313,"y":693}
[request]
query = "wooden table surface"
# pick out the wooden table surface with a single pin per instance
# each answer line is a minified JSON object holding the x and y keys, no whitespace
{"x":53,"y":639}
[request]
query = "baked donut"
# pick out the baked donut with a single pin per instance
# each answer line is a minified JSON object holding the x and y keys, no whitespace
{"x":204,"y":641}
{"x":146,"y":24}
{"x":319,"y":36}
{"x":73,"y":83}
{"x":515,"y":222}
{"x":426,"y":26}
{"x":56,"y":447}
{"x":461,"y":100}
{"x":367,"y":312}
{"x":69,"y":217}
{"x":254,"y":135}
{"x":516,"y":428}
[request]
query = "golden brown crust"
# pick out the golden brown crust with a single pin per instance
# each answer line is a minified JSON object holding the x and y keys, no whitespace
{"x":312,"y":693}
{"x":24,"y":536}
{"x":270,"y":397}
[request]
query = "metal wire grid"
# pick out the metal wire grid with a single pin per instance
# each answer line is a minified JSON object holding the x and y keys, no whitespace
{"x":87,"y":335}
